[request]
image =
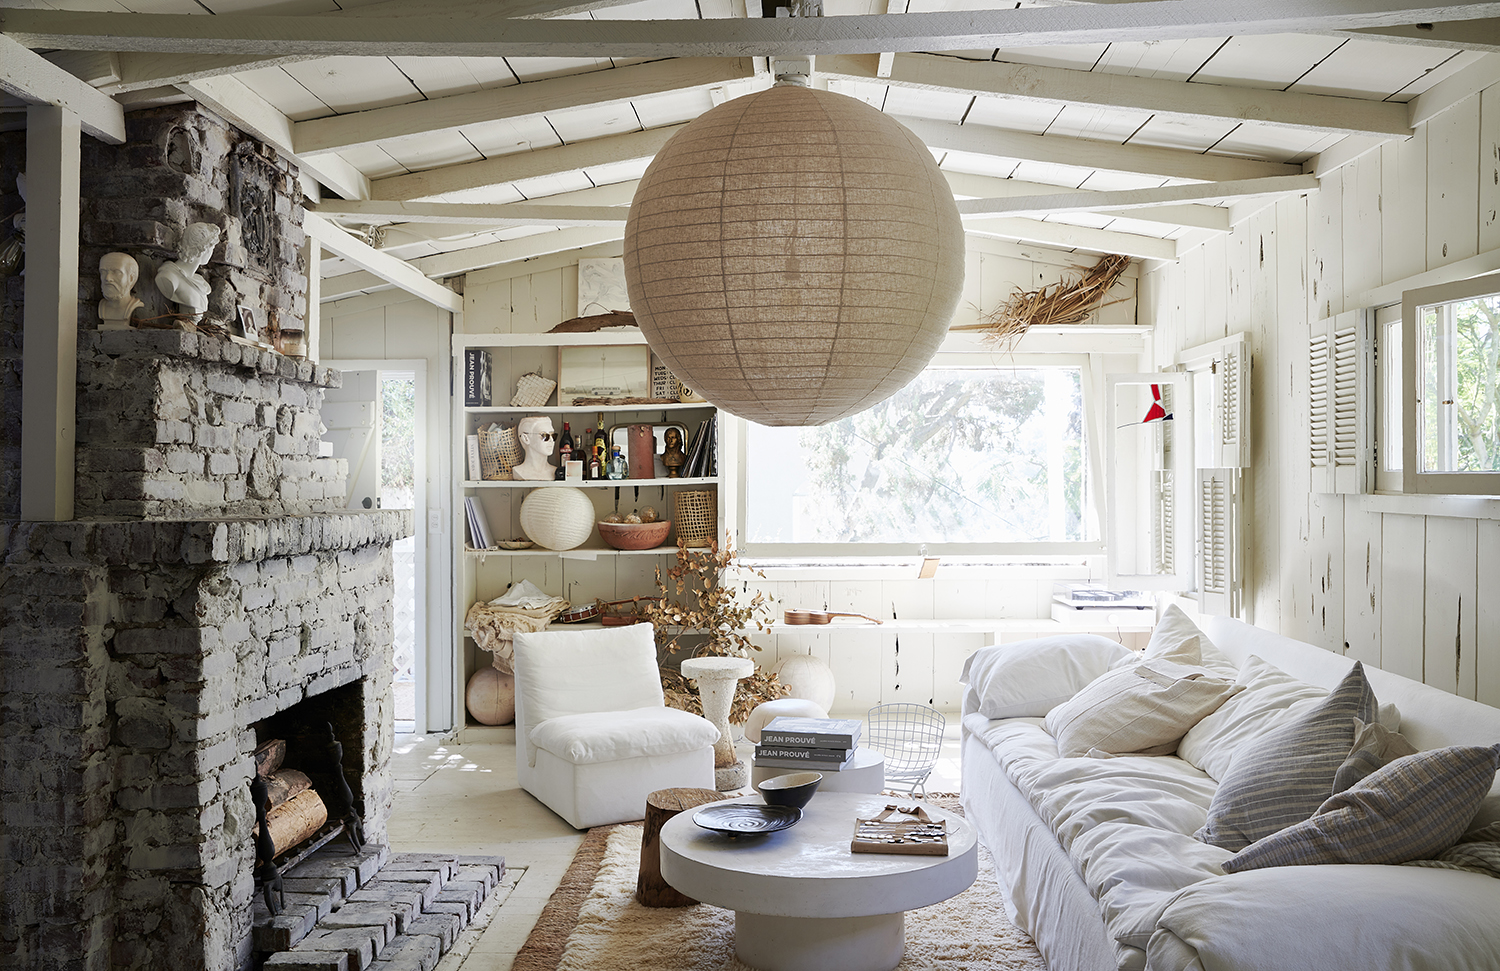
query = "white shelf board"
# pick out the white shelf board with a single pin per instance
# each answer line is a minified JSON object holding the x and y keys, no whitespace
{"x":590,"y":484}
{"x":504,"y":410}
{"x":577,"y":553}
{"x":1007,"y":625}
{"x":604,"y":338}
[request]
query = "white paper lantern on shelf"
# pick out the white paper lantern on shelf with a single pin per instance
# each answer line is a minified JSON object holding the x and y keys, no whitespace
{"x":794,"y":256}
{"x":557,"y":517}
{"x":809,"y":678}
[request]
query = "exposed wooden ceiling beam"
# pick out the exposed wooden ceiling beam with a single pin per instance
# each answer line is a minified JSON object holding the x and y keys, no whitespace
{"x":36,"y":81}
{"x":492,"y":216}
{"x":519,"y":166}
{"x":427,"y":35}
{"x":361,"y":254}
{"x":1470,"y":35}
{"x":1089,"y":154}
{"x":1029,"y":82}
{"x":237,"y":104}
{"x":1075,"y":237}
{"x":527,"y":247}
{"x":1211,"y":218}
{"x":518,"y":101}
{"x":1072,"y":201}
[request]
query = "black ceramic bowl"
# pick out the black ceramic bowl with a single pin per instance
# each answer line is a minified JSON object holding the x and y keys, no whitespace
{"x":793,"y":789}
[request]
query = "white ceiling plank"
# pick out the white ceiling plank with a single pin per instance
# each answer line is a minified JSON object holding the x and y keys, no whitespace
{"x":373,"y":161}
{"x":346,"y":285}
{"x":237,"y":104}
{"x":928,"y":72}
{"x":1074,"y":237}
{"x":791,"y":36}
{"x":1081,"y":57}
{"x":37,"y":81}
{"x":1172,"y":60}
{"x":1042,"y":204}
{"x":594,"y":121}
{"x":1248,"y":62}
{"x":439,"y":77}
{"x":980,"y":186}
{"x":1013,"y":113}
{"x":1114,"y":125}
{"x":1271,"y":142}
{"x":1347,"y":150}
{"x":1453,"y":65}
{"x":513,"y":214}
{"x":542,"y":68}
{"x":550,"y":185}
{"x":541,"y":244}
{"x":1450,"y":91}
{"x":353,"y":84}
{"x":417,"y":152}
{"x":94,"y":68}
{"x":524,"y":165}
{"x":284,"y":92}
{"x":493,"y":138}
{"x":1093,"y":155}
{"x":1361,"y":68}
{"x":388,"y":268}
{"x":1192,"y":134}
{"x":517,"y":101}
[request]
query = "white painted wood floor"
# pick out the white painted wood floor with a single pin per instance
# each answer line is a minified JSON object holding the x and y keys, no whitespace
{"x":463,"y":798}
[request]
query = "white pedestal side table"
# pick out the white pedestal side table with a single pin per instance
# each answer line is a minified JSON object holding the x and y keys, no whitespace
{"x":716,"y":678}
{"x":802,"y":900}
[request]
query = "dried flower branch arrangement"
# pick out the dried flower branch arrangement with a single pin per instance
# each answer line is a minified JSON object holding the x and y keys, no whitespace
{"x":695,"y":600}
{"x":1064,"y":302}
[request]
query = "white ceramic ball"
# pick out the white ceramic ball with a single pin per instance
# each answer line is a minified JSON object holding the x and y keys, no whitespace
{"x":558,"y":518}
{"x":808,"y":677}
{"x":491,"y":697}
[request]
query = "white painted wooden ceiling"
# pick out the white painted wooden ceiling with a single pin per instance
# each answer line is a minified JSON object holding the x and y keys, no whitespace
{"x":1008,"y":122}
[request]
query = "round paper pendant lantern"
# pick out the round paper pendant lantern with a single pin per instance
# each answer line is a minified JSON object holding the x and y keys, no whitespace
{"x":557,"y":517}
{"x":794,"y":256}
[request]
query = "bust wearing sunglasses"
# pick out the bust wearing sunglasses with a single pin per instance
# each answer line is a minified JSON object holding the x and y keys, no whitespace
{"x":538,"y":440}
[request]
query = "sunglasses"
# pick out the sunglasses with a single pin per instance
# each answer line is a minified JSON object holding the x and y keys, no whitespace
{"x":548,"y":436}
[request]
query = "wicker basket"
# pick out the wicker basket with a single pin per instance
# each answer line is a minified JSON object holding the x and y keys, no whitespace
{"x":532,"y":391}
{"x":499,"y":451}
{"x":697,"y":517}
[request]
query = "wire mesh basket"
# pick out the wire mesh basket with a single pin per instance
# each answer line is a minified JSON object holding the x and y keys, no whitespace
{"x":910,"y":737}
{"x":499,"y":451}
{"x":697,"y":516}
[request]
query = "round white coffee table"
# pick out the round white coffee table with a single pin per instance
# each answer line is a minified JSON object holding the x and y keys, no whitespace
{"x":802,"y":900}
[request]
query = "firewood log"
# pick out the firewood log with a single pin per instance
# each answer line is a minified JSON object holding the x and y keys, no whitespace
{"x":296,"y":819}
{"x":268,"y":756}
{"x":284,"y":784}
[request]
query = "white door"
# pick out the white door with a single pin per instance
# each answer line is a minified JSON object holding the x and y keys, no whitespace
{"x":352,"y":416}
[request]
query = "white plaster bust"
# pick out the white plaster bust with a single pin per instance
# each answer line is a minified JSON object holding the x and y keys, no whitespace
{"x":117,"y":276}
{"x":537,"y":438}
{"x":179,"y":281}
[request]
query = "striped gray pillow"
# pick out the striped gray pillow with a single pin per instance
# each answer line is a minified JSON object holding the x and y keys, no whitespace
{"x":1410,"y":809}
{"x":1283,"y":776}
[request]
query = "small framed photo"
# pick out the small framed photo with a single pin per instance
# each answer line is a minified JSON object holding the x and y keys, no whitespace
{"x":599,"y":374}
{"x":247,"y":325}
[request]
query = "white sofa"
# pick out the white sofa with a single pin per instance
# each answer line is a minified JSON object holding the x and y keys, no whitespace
{"x":1098,"y":862}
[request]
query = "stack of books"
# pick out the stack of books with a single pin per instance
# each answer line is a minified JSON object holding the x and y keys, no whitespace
{"x":818,"y":744}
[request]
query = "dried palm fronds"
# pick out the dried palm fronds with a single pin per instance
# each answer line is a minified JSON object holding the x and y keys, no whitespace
{"x":1064,"y":302}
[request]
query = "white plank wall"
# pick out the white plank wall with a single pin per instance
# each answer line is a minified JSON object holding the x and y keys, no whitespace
{"x":1404,"y":591}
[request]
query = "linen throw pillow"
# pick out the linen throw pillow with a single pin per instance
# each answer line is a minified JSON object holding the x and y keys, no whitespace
{"x":1030,"y":678}
{"x":1270,"y":696}
{"x":1140,"y":710}
{"x":1177,"y":638}
{"x":1374,"y":746}
{"x":1411,"y":809}
{"x":1283,"y":776}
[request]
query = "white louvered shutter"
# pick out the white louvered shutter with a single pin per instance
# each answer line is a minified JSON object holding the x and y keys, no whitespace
{"x":1317,"y":410}
{"x":1164,"y":522}
{"x":1232,"y":391}
{"x":1220,"y":567}
{"x":1340,"y":452}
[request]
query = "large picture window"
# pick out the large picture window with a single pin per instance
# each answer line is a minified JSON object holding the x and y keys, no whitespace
{"x":962,"y":459}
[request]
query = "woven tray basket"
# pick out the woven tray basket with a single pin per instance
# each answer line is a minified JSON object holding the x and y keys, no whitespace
{"x":499,"y":451}
{"x":532,"y":391}
{"x":697,"y":517}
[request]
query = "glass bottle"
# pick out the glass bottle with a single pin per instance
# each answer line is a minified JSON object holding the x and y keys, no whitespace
{"x":618,"y":467}
{"x":564,"y":452}
{"x":586,"y":450}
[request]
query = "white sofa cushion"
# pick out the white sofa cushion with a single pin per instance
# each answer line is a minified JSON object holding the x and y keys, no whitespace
{"x":1144,"y":709}
{"x":1030,"y":678}
{"x":563,"y":672}
{"x":584,"y":739}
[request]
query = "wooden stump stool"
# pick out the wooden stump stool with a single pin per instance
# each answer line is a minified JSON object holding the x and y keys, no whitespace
{"x":650,"y":889}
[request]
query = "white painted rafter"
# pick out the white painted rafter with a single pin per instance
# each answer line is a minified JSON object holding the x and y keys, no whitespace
{"x":427,"y":35}
{"x":1211,"y":218}
{"x":1090,"y":154}
{"x":1074,"y":237}
{"x":516,"y":102}
{"x":397,"y":272}
{"x":36,"y":81}
{"x":514,"y":250}
{"x":1073,"y":201}
{"x":519,"y":166}
{"x":1030,"y":82}
{"x":491,"y":216}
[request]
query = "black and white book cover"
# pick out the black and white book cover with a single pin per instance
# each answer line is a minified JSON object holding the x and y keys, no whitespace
{"x":477,"y":378}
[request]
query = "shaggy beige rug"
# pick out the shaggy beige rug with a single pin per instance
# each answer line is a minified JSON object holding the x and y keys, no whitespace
{"x":614,"y":933}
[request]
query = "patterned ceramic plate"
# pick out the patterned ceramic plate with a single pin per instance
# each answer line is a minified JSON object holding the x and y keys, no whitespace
{"x":739,"y":819}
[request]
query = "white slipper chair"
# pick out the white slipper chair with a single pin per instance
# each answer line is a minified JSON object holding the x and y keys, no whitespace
{"x":593,"y":734}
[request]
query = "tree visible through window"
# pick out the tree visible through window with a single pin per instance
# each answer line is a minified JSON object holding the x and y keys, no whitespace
{"x":961,"y":455}
{"x":1461,"y":365}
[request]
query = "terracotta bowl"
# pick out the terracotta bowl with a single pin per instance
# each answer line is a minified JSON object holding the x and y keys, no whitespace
{"x":635,"y":536}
